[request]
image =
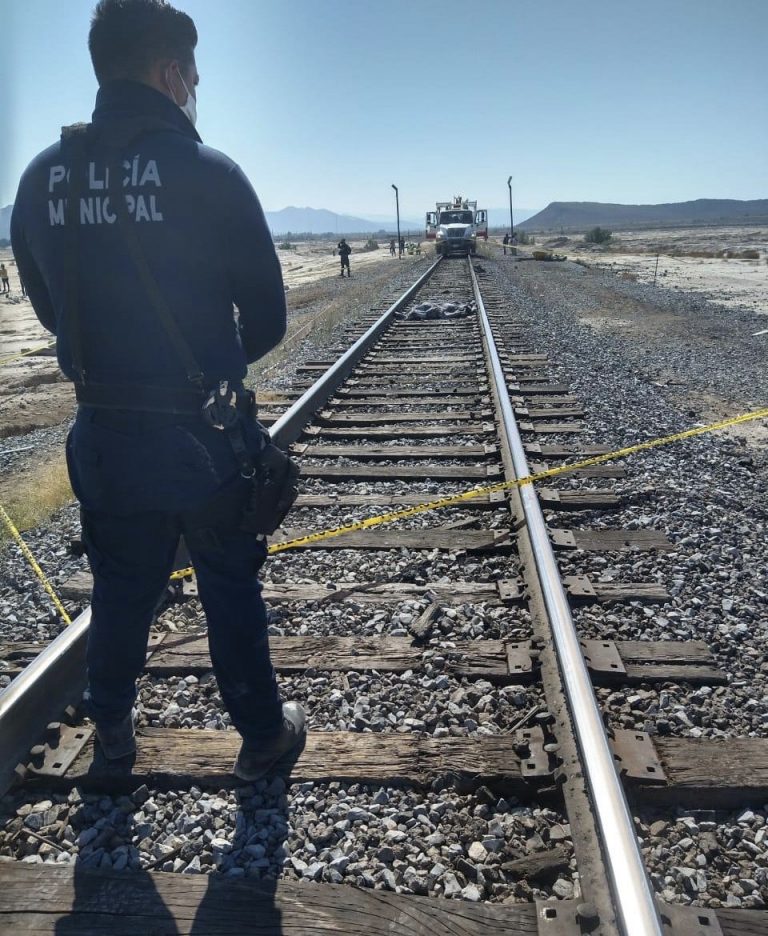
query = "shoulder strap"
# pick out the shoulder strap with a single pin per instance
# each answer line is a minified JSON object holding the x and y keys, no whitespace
{"x":116,"y":141}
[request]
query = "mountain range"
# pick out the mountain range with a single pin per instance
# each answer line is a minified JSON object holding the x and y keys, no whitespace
{"x":582,"y":215}
{"x":321,"y":221}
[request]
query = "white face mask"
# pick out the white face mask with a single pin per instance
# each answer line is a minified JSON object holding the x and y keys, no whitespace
{"x":189,"y":107}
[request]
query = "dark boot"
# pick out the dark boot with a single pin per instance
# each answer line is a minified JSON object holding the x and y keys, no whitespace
{"x":118,"y":739}
{"x":254,"y":761}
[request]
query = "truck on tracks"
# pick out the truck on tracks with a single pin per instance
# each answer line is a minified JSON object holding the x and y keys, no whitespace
{"x":455,"y":226}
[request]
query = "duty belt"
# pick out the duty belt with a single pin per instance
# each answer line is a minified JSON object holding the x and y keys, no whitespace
{"x":179,"y":401}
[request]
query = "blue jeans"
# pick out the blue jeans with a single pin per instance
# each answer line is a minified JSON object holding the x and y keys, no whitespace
{"x":144,"y":480}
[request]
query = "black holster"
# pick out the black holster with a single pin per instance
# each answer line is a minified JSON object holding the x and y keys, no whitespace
{"x":274,"y":488}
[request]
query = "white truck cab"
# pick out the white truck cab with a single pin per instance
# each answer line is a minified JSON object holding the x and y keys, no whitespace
{"x":455,"y":226}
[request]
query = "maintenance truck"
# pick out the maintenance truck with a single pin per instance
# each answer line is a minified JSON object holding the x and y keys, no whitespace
{"x":454,"y":226}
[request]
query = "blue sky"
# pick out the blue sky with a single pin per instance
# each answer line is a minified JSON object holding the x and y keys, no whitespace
{"x":326,"y":103}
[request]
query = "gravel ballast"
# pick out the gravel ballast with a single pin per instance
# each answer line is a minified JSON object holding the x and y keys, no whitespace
{"x":708,"y":496}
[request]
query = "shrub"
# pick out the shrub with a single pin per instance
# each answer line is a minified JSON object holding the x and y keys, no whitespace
{"x":598,"y":235}
{"x":523,"y":238}
{"x":369,"y":245}
{"x":286,"y":245}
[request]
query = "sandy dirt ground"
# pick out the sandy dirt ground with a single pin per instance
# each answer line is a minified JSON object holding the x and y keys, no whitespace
{"x":724,"y":280}
{"x":313,"y":261}
{"x":33,"y":394}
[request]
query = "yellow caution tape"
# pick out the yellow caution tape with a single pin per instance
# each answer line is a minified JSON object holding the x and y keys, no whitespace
{"x":453,"y":499}
{"x":27,"y":553}
{"x":22,"y":354}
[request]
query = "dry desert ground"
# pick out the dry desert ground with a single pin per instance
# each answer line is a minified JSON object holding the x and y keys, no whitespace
{"x":693,"y":259}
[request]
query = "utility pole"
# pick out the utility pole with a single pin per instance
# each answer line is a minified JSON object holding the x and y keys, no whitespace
{"x":397,"y":204}
{"x":511,"y":219}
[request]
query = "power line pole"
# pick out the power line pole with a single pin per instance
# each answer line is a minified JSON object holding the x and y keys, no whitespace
{"x":511,"y":219}
{"x":397,"y":203}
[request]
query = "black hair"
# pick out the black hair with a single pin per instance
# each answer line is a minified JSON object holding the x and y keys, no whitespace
{"x":128,"y":37}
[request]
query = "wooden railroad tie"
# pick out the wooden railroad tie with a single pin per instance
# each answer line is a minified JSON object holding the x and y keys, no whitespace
{"x":697,"y":773}
{"x":395,"y":452}
{"x":427,"y":472}
{"x":580,"y":588}
{"x":622,"y":662}
{"x":45,"y":899}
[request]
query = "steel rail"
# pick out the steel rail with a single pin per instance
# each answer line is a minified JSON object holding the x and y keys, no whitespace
{"x":288,"y":427}
{"x":632,"y":892}
{"x":56,"y":677}
{"x":39,"y":695}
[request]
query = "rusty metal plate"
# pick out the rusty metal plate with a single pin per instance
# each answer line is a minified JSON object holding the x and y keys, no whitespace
{"x":562,"y":539}
{"x":189,"y":587}
{"x":519,"y":658}
{"x":558,"y":918}
{"x":154,"y":642}
{"x":537,"y":762}
{"x":510,"y":590}
{"x":688,"y":921}
{"x":579,"y":586}
{"x":56,"y":757}
{"x":602,"y":656}
{"x":635,"y":756}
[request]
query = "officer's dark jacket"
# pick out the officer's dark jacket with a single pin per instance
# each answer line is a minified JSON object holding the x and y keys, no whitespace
{"x":201,"y":229}
{"x":344,"y":249}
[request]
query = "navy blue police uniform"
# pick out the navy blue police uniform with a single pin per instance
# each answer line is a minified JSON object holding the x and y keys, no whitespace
{"x":142,"y":462}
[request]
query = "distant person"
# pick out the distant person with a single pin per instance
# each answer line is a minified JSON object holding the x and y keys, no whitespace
{"x":505,"y":242}
{"x":344,"y":251}
{"x":23,"y":287}
{"x":392,"y":248}
{"x":402,"y":244}
{"x":4,"y":278}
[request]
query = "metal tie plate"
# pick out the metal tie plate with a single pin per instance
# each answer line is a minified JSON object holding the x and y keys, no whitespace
{"x":562,"y":539}
{"x":537,"y":762}
{"x":678,"y":920}
{"x":602,"y":656}
{"x":510,"y":590}
{"x":559,"y":918}
{"x":519,"y":659}
{"x":636,"y":758}
{"x":56,"y":757}
{"x":579,"y":586}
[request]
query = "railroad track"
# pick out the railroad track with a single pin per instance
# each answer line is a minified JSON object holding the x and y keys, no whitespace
{"x":499,"y":712}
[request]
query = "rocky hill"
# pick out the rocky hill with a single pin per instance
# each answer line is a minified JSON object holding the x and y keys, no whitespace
{"x":583,"y":215}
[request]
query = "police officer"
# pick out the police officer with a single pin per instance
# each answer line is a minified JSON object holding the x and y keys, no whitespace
{"x":135,"y":243}
{"x":344,"y":251}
